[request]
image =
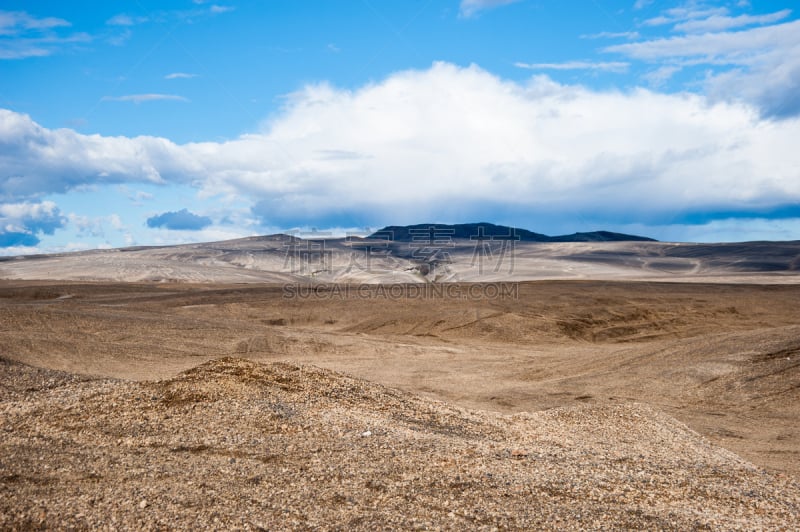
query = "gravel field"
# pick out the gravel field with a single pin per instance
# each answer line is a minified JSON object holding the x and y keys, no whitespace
{"x":234,"y":444}
{"x":571,"y":405}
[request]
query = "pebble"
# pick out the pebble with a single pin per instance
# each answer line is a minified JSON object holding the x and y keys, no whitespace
{"x":437,"y":466}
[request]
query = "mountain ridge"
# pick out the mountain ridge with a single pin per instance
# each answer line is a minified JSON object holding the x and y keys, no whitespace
{"x":490,"y":231}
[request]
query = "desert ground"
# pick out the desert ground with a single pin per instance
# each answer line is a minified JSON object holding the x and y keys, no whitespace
{"x":549,"y":404}
{"x":287,"y":258}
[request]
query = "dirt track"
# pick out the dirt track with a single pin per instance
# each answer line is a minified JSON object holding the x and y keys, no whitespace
{"x":725,"y":359}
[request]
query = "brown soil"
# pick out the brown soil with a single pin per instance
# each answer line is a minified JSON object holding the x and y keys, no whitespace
{"x":564,"y":406}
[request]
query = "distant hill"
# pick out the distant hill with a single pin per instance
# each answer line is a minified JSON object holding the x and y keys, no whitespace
{"x":476,"y":231}
{"x":601,"y":236}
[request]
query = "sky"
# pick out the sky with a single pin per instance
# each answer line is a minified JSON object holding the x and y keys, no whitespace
{"x":149,"y":123}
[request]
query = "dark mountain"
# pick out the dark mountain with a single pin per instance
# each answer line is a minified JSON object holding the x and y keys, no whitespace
{"x":488,"y":231}
{"x":600,"y":236}
{"x":430,"y":232}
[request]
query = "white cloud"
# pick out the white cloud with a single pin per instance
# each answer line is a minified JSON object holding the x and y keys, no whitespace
{"x":14,"y":251}
{"x":658,"y":77}
{"x":759,"y":65}
{"x":21,"y":223}
{"x":85,"y":226}
{"x":125,"y":20}
{"x":632,"y":35}
{"x":687,"y":12}
{"x":136,"y":197}
{"x":119,"y":38}
{"x":17,"y":22}
{"x":140,"y":98}
{"x":23,"y":35}
{"x":116,"y":222}
{"x":469,"y":8}
{"x":94,"y":226}
{"x":217,"y":9}
{"x":723,"y":22}
{"x":37,"y":161}
{"x":180,"y":75}
{"x":730,"y":47}
{"x":23,"y":48}
{"x":211,"y":234}
{"x":27,"y":210}
{"x":614,"y":66}
{"x":446,"y":143}
{"x":641,"y":4}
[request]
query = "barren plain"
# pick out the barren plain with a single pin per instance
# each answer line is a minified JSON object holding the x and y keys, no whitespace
{"x":605,"y":402}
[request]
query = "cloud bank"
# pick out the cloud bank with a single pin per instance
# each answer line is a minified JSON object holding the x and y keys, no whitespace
{"x":447,"y":143}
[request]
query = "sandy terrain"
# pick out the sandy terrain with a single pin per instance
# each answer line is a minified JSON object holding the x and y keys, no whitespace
{"x":281,"y":258}
{"x":567,"y":404}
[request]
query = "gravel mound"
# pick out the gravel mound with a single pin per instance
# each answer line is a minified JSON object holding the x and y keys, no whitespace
{"x":234,"y":444}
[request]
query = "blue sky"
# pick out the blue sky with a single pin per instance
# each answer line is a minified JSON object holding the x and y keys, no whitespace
{"x":150,"y":122}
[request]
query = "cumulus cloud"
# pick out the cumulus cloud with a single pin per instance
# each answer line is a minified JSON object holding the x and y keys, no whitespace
{"x":179,"y":220}
{"x":37,"y":161}
{"x":447,"y":144}
{"x":44,"y":217}
{"x":20,"y":223}
{"x":469,"y":8}
{"x":452,"y":140}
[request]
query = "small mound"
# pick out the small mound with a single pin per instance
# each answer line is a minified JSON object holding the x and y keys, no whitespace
{"x":19,"y":379}
{"x":234,"y":444}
